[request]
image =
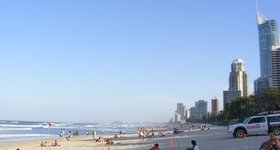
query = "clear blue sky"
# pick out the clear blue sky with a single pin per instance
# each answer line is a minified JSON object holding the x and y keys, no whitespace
{"x":121,"y":59}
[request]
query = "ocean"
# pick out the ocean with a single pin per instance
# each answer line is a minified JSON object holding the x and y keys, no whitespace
{"x":32,"y":130}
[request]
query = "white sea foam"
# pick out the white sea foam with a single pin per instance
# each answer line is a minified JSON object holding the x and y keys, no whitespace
{"x":54,"y":127}
{"x":59,"y":125}
{"x":22,"y":126}
{"x":25,"y":135}
{"x":14,"y":129}
{"x":62,"y":124}
{"x":90,"y":126}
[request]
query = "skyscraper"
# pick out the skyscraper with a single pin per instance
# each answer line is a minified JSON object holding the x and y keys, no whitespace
{"x":193,"y":112}
{"x":275,"y":53}
{"x":261,"y":84}
{"x":238,"y":82}
{"x":238,"y":79}
{"x":187,"y":114}
{"x":268,"y":37}
{"x":215,"y":106}
{"x":181,"y":110}
{"x":201,"y":108}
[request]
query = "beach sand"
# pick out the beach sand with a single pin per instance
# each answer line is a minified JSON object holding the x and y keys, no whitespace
{"x":123,"y":142}
{"x":214,"y":139}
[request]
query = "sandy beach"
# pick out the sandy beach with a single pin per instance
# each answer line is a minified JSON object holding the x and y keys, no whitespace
{"x":122,"y":142}
{"x":214,"y":139}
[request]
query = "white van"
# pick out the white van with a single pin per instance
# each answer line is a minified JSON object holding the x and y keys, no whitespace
{"x":261,"y":124}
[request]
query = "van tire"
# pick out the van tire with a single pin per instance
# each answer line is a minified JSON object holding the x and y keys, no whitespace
{"x":276,"y":130}
{"x":239,"y":133}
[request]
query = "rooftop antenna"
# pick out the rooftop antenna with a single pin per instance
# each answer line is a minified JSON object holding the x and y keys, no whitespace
{"x":257,"y":5}
{"x":260,"y":17}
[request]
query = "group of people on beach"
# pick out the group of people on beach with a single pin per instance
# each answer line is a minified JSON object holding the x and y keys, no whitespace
{"x":144,"y":133}
{"x":193,"y":147}
{"x":108,"y":140}
{"x":177,"y":131}
{"x":70,"y":134}
{"x":45,"y":144}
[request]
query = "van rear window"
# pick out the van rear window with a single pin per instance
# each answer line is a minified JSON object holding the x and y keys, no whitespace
{"x":274,"y":119}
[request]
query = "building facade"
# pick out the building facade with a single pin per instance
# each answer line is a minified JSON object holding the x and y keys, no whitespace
{"x":238,"y":78}
{"x":230,"y":96}
{"x":275,"y":54}
{"x":261,"y":84}
{"x":201,"y":108}
{"x":215,"y":106}
{"x":187,"y":114}
{"x":238,"y":82}
{"x":193,"y":112}
{"x":268,"y":37}
{"x":177,"y":118}
{"x":181,"y":109}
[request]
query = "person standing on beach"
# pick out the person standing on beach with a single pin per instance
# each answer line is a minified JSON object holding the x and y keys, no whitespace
{"x":60,"y":134}
{"x":194,"y":146}
{"x":94,"y":134}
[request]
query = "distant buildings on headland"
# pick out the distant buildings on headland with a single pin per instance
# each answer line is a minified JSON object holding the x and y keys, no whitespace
{"x":269,"y":49}
{"x":199,"y":111}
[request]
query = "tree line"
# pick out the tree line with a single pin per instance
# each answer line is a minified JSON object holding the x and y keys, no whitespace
{"x":243,"y":107}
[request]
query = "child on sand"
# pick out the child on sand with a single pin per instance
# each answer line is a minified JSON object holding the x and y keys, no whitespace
{"x":44,"y":144}
{"x":55,"y":143}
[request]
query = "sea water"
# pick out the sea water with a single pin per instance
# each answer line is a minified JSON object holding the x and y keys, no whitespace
{"x":31,"y":130}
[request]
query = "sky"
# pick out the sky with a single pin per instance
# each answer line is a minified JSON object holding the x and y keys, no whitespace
{"x":121,"y":60}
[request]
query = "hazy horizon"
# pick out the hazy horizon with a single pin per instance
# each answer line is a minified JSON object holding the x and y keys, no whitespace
{"x":130,"y":61}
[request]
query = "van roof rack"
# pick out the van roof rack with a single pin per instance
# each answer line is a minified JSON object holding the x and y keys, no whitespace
{"x":269,"y":112}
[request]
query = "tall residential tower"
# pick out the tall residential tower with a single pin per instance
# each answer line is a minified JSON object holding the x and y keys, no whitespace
{"x":215,"y":106}
{"x":238,"y":82}
{"x":181,"y":109}
{"x":268,"y":37}
{"x":275,"y":54}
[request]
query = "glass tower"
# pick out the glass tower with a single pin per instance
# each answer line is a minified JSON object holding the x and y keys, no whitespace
{"x":268,"y":37}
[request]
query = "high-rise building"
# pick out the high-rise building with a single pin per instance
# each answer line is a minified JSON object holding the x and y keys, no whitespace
{"x":215,"y":106}
{"x":268,"y":37}
{"x":230,"y":96}
{"x":238,"y":82}
{"x":238,"y":79}
{"x":181,"y":109}
{"x":261,"y":84}
{"x":275,"y":53}
{"x":201,"y":108}
{"x":177,"y":118}
{"x":193,"y":112}
{"x":187,"y":115}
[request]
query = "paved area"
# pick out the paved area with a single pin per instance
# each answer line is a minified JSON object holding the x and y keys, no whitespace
{"x":216,"y":138}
